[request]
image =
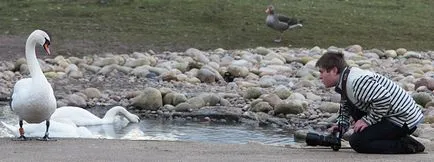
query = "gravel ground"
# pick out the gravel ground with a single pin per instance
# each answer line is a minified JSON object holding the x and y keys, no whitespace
{"x":118,"y":150}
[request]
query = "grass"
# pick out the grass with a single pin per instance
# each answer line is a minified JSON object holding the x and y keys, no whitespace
{"x":139,"y":25}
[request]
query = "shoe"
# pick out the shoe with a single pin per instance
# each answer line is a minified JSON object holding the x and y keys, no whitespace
{"x":412,"y":145}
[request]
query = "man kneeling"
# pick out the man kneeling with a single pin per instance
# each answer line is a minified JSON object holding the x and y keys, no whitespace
{"x":384,"y":114}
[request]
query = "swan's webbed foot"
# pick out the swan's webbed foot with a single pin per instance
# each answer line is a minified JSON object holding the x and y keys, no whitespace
{"x":46,"y":138}
{"x":21,"y":138}
{"x":21,"y":131}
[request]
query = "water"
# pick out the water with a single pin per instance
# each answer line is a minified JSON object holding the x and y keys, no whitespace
{"x":216,"y":133}
{"x":179,"y":131}
{"x":194,"y":131}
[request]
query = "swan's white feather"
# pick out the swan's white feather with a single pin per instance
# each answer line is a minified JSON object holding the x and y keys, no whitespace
{"x":33,"y":98}
{"x":82,"y":117}
{"x":69,"y":121}
{"x":57,"y":129}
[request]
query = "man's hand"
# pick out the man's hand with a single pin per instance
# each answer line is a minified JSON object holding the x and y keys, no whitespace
{"x":333,"y":128}
{"x":360,"y":125}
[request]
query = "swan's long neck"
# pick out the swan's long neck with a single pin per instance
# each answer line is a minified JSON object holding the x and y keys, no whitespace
{"x":32,"y":61}
{"x":111,"y":114}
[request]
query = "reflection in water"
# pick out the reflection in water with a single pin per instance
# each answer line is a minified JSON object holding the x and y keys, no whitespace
{"x":204,"y":132}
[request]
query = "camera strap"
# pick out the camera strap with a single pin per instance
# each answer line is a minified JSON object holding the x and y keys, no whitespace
{"x":344,"y":98}
{"x":344,"y":84}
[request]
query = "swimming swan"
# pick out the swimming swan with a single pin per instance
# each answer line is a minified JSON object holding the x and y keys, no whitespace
{"x":69,"y":121}
{"x":82,"y":117}
{"x":33,"y":98}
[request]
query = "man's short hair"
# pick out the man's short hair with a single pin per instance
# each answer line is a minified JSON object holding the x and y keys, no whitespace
{"x":331,"y":59}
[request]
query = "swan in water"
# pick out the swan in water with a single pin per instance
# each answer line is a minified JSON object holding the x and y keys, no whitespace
{"x":69,"y":121}
{"x":57,"y":129}
{"x":82,"y":117}
{"x":32,"y":98}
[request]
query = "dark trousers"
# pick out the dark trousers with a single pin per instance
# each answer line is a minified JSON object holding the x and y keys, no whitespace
{"x":383,"y":137}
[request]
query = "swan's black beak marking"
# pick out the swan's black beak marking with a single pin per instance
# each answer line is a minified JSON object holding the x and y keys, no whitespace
{"x":46,"y":44}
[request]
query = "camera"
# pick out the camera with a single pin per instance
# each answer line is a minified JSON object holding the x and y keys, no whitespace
{"x":333,"y":140}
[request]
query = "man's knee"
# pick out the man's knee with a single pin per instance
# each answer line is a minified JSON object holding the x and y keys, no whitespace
{"x":356,"y":142}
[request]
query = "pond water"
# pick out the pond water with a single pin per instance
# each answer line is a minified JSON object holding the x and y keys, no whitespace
{"x":209,"y":132}
{"x":172,"y":130}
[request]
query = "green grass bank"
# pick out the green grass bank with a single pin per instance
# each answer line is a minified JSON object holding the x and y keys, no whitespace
{"x":84,"y":26}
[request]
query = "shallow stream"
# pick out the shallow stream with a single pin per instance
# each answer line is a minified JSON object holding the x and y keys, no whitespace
{"x":177,"y":131}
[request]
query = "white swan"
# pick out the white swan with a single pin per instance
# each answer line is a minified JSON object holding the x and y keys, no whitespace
{"x":33,"y":98}
{"x":82,"y":117}
{"x":69,"y":121}
{"x":57,"y":129}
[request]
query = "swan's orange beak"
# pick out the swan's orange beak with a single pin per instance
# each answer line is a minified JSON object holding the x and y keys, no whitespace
{"x":46,"y":47}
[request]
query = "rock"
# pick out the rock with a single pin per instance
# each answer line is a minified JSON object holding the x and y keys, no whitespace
{"x":106,"y":69}
{"x":401,"y":51}
{"x":206,"y":76}
{"x":193,"y":80}
{"x":178,"y":98}
{"x":296,"y":96}
{"x":19,"y":62}
{"x":182,"y":66}
{"x":378,"y":52}
{"x":238,"y":71}
{"x":157,"y":70}
{"x":329,"y":107}
{"x":412,"y":54}
{"x":141,"y":71}
{"x":170,"y":75}
{"x":253,"y":93}
{"x":196,"y":102}
{"x":313,"y":97}
{"x":224,"y":102}
{"x":262,"y":50}
{"x":262,"y":107}
{"x":123,"y":69}
{"x":104,"y":61}
{"x":289,"y":107}
{"x":427,"y":82}
{"x":422,"y":98}
{"x":429,"y":119}
{"x":76,"y":74}
{"x":168,"y":98}
{"x":266,"y":82}
{"x":76,"y":100}
{"x":91,"y":68}
{"x":131,"y":62}
{"x":92,"y":93}
{"x":197,"y":55}
{"x":169,"y":108}
{"x":391,"y":53}
{"x":280,"y":60}
{"x":210,"y":99}
{"x":282,"y":91}
{"x":183,"y":107}
{"x":51,"y":74}
{"x":271,"y":98}
{"x":149,"y":99}
{"x":75,"y":60}
{"x":355,"y":49}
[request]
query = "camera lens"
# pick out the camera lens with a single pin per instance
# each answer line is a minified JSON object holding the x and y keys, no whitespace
{"x":313,"y":139}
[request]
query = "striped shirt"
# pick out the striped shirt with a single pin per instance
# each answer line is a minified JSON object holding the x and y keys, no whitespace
{"x":380,"y":98}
